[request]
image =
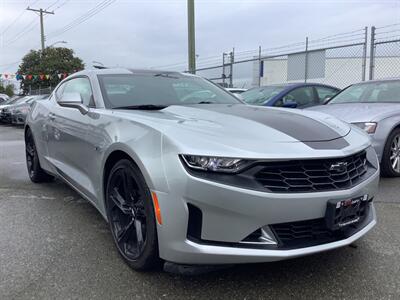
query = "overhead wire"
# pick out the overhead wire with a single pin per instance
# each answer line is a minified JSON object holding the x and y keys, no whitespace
{"x":83,"y":18}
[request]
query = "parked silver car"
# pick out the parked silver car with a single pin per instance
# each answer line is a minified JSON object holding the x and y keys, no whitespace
{"x":373,"y":106}
{"x":5,"y":112}
{"x":20,"y":111}
{"x":191,"y":180}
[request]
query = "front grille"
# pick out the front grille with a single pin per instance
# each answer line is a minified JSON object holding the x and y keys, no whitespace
{"x":304,"y":233}
{"x":301,"y":234}
{"x":313,"y":175}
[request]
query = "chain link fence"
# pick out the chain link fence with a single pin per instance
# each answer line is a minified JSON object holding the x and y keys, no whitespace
{"x":337,"y":60}
{"x":41,"y":91}
{"x":385,"y":52}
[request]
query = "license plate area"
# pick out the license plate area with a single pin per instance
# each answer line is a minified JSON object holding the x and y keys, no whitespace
{"x":342,"y":213}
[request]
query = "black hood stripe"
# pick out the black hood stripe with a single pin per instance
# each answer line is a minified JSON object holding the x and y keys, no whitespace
{"x":304,"y":129}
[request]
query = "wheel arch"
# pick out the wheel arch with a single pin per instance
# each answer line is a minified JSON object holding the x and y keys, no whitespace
{"x":112,"y":158}
{"x":389,"y":132}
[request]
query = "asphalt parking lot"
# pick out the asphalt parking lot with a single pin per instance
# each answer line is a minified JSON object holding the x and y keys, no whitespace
{"x":54,"y":244}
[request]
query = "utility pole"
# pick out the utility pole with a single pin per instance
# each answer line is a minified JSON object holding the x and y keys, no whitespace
{"x":191,"y":37}
{"x":41,"y":12}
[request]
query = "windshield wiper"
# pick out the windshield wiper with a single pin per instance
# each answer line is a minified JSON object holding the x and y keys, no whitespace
{"x":168,"y":75}
{"x":142,"y":107}
{"x":205,"y":102}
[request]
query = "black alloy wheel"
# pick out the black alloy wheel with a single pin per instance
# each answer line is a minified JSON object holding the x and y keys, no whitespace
{"x":35,"y":172}
{"x":131,"y":216}
{"x":391,"y":155}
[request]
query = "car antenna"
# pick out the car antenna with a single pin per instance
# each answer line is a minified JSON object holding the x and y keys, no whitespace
{"x":98,"y":65}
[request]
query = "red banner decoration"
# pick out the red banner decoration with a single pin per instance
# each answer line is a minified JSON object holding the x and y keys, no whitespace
{"x":17,"y":76}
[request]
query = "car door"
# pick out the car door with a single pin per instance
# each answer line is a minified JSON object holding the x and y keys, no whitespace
{"x":325,"y":93}
{"x":303,"y":96}
{"x":67,"y":138}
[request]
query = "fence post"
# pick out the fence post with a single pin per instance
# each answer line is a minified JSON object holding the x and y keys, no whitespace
{"x":259,"y":66}
{"x":372,"y":54}
{"x":223,"y":69}
{"x":306,"y":61}
{"x":364,"y":58}
{"x":232,"y":56}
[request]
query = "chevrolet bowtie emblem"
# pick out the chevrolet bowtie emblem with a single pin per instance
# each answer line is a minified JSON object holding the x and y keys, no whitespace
{"x":339,"y":167}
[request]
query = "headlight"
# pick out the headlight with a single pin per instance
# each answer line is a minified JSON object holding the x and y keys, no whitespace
{"x":368,"y":127}
{"x":215,"y":164}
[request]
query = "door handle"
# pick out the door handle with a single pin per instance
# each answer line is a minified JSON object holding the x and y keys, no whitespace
{"x":52,"y":117}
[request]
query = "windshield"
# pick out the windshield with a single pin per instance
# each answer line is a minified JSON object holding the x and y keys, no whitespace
{"x":385,"y":91}
{"x":123,"y":90}
{"x":258,"y":96}
{"x":14,"y":101}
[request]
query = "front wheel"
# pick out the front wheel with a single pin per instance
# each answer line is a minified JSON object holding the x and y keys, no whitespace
{"x":131,"y":216}
{"x":391,"y":155}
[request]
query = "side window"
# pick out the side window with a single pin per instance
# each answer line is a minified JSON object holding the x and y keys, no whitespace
{"x":303,"y":96}
{"x":81,"y":86}
{"x":59,"y":91}
{"x":325,"y":93}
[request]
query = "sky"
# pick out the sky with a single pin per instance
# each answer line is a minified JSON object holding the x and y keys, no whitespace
{"x":153,"y":33}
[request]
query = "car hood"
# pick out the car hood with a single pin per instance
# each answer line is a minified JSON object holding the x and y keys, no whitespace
{"x":4,"y":106}
{"x":359,"y":112}
{"x":240,"y":122}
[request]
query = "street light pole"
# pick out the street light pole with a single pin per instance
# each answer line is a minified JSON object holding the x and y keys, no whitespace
{"x":58,"y":42}
{"x":191,"y":37}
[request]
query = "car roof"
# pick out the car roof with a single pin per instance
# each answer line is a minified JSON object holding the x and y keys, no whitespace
{"x":378,"y":80}
{"x":298,"y":84}
{"x":111,"y":71}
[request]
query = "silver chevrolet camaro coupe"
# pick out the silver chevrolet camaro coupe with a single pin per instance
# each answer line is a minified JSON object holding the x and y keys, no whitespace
{"x":186,"y":173}
{"x":375,"y":107}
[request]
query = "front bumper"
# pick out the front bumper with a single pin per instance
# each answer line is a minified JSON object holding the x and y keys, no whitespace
{"x":230,"y":214}
{"x":5,"y":117}
{"x":18,"y":119}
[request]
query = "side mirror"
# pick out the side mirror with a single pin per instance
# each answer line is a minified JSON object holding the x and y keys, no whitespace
{"x":289,"y":104}
{"x":73,"y":100}
{"x":326,"y":100}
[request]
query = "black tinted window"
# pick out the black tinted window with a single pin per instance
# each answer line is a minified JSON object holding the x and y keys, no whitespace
{"x":303,"y":96}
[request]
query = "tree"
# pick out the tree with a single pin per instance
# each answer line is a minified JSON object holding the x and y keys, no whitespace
{"x":51,"y":61}
{"x":8,"y":89}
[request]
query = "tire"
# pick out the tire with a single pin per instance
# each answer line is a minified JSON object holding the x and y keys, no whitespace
{"x":390,"y":165}
{"x":131,"y":216}
{"x":35,"y":172}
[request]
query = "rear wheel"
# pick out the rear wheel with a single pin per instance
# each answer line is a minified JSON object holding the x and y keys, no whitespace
{"x":36,"y":173}
{"x":131,"y":216}
{"x":391,"y":155}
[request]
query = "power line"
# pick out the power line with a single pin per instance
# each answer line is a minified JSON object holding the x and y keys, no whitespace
{"x":31,"y":25}
{"x":17,"y":18}
{"x":83,"y":18}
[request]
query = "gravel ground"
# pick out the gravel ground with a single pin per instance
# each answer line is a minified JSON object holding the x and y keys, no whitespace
{"x":54,"y":244}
